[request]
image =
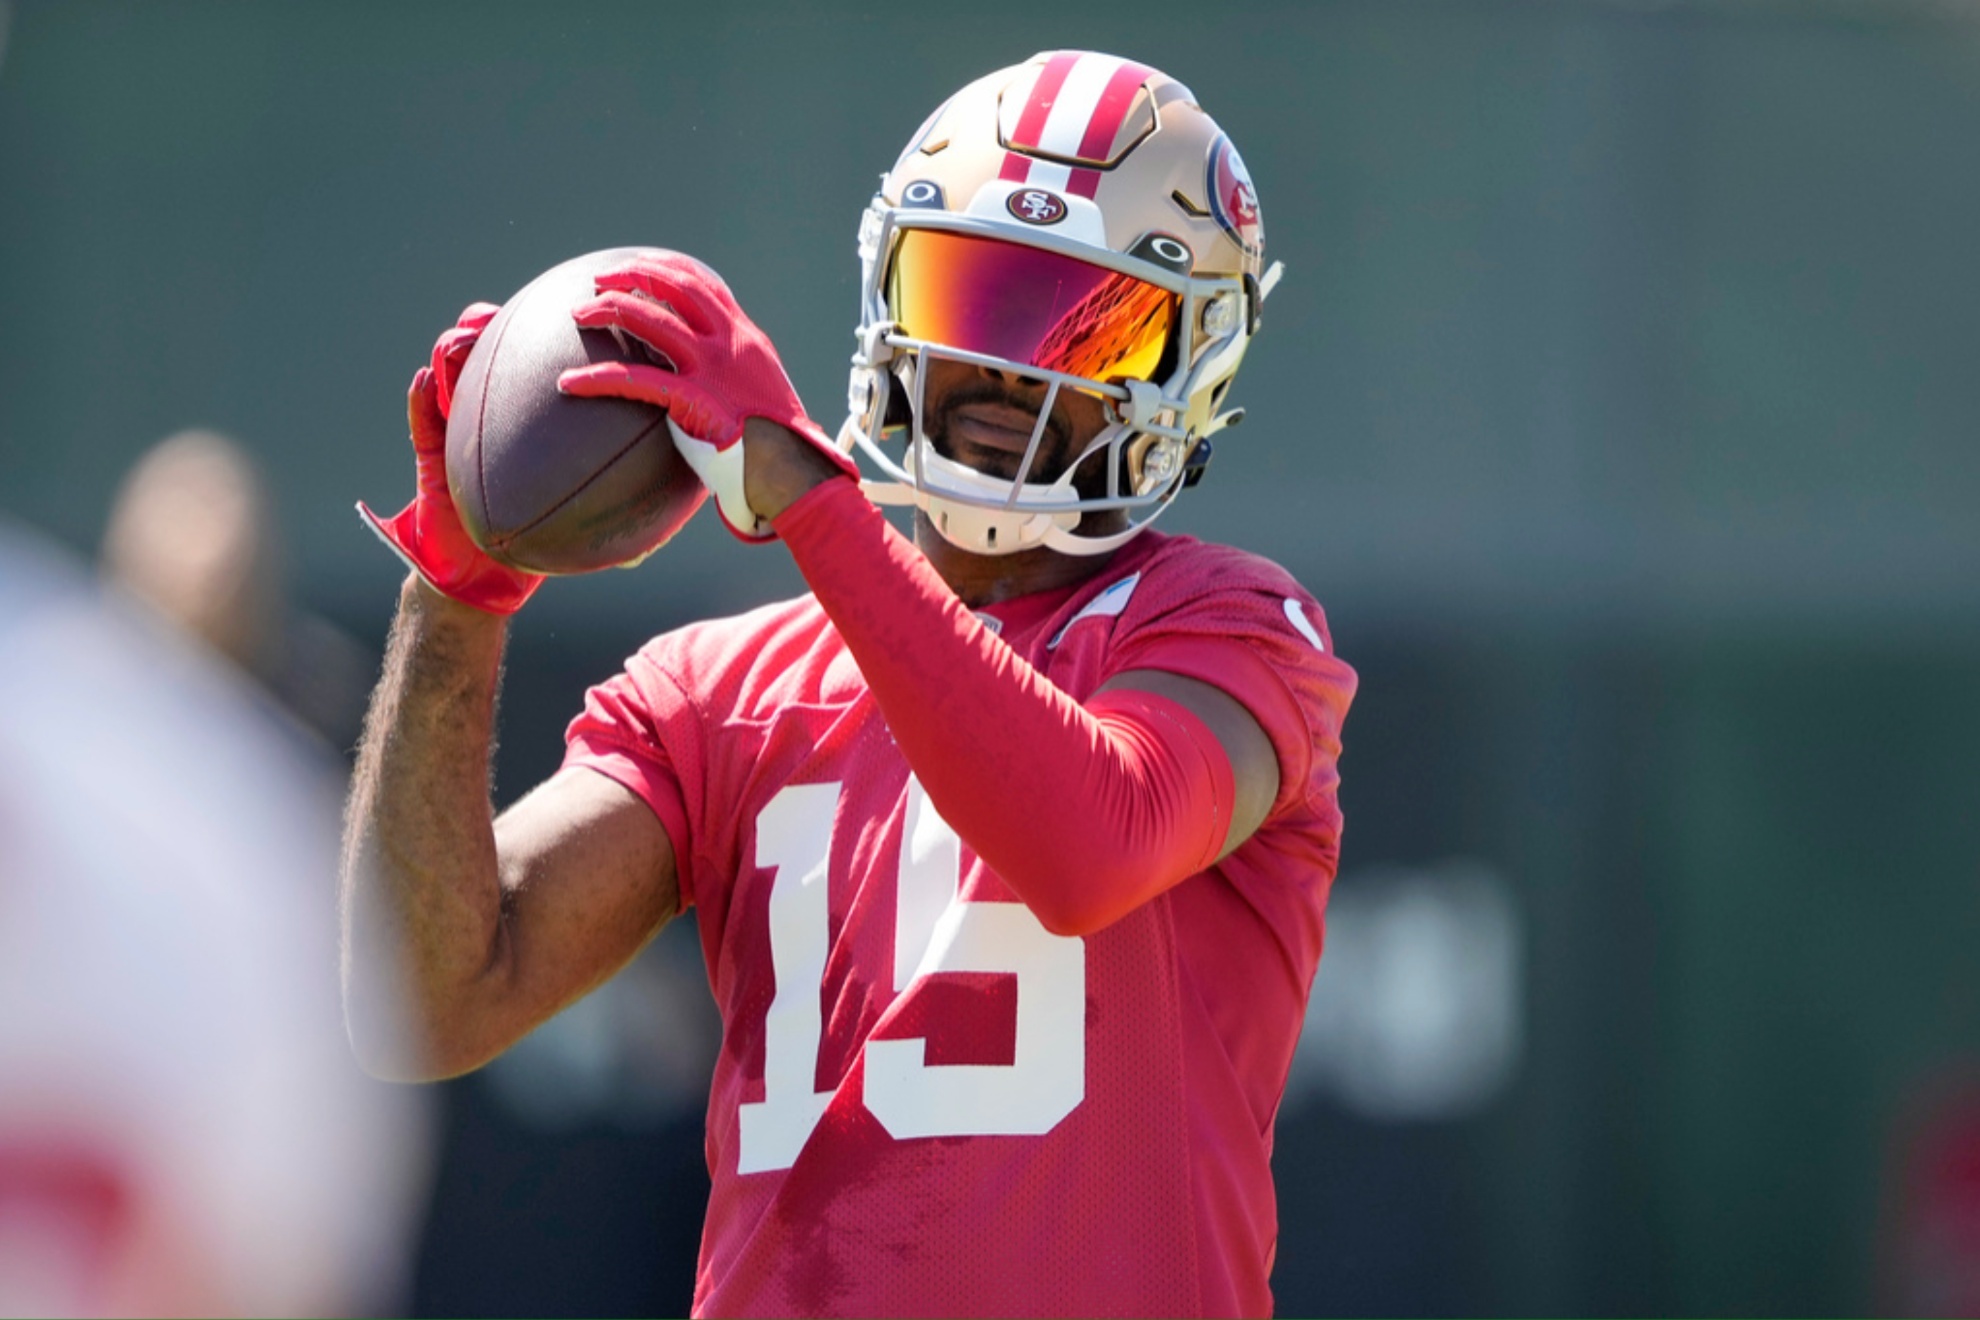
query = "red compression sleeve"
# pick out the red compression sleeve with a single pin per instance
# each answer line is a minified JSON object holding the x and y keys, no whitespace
{"x":1085,"y":812}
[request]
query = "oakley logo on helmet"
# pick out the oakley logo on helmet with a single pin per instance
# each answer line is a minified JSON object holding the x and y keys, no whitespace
{"x":1165,"y":250}
{"x":923,"y":194}
{"x":1036,"y":206}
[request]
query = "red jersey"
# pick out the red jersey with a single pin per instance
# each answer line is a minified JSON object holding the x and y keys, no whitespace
{"x":925,"y":1102}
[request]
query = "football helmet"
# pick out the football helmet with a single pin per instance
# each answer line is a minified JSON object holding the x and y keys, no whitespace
{"x":1076,"y":221}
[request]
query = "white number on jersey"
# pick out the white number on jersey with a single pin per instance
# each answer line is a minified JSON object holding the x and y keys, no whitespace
{"x":934,"y":932}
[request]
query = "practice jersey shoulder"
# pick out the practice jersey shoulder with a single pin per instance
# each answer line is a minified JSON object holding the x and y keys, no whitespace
{"x":924,"y":1101}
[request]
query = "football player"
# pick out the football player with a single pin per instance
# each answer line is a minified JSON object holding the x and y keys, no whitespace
{"x":1009,"y":844}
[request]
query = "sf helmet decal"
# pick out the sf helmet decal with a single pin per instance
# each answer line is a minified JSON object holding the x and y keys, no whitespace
{"x":1036,"y":206}
{"x":1232,"y":198}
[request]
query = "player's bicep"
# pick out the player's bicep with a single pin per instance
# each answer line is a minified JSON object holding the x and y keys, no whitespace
{"x":588,"y":877}
{"x":1254,"y":763}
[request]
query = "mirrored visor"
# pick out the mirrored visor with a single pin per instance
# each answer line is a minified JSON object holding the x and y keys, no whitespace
{"x":1028,"y":306}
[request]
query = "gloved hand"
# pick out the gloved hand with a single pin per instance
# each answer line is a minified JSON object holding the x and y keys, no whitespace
{"x":427,"y":533}
{"x":725,"y":371}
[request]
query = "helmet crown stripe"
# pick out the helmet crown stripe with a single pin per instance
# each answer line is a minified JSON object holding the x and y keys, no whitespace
{"x":1044,"y":95}
{"x":1098,"y":142}
{"x":1075,"y":105}
{"x":1108,"y":116}
{"x":1074,"y":112}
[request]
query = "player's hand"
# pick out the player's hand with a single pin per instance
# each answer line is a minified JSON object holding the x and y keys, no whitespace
{"x":427,"y":533}
{"x":725,"y":372}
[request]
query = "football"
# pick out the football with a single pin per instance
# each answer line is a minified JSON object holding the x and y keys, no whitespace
{"x":552,"y":484}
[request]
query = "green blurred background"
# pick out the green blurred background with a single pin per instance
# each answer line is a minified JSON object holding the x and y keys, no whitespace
{"x":1619,"y":404}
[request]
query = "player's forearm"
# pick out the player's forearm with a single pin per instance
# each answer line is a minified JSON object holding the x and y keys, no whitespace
{"x":422,"y":899}
{"x":1085,"y":812}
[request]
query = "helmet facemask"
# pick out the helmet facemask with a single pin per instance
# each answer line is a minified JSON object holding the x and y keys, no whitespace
{"x":1140,"y":453}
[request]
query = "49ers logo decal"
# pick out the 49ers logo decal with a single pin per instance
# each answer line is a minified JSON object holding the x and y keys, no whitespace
{"x":1233,"y":201}
{"x":1036,"y":206}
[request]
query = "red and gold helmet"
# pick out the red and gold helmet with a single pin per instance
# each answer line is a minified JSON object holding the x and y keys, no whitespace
{"x":1077,"y":220}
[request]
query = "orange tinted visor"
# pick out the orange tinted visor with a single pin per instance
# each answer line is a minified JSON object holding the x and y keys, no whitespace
{"x":1027,"y":305}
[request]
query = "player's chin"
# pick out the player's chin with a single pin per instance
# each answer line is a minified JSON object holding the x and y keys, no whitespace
{"x":1005,"y":464}
{"x":991,"y":462}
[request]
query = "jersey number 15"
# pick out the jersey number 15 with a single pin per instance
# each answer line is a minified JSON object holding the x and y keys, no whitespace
{"x":935,"y":931}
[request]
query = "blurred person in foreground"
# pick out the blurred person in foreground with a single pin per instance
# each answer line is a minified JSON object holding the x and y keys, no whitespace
{"x":193,"y":536}
{"x":182,"y":1130}
{"x":1010,"y":844}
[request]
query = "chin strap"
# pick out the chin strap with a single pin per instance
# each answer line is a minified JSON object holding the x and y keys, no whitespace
{"x":998,"y":525}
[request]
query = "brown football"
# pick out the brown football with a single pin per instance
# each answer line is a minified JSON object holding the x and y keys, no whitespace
{"x":549,"y":483}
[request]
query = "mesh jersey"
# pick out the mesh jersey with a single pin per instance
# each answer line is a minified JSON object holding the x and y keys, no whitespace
{"x":925,"y":1103}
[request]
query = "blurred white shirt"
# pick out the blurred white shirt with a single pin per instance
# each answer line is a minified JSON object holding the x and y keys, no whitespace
{"x":182,"y":1126}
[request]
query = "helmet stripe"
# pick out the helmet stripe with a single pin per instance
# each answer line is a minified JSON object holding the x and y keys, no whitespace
{"x":1075,"y":110}
{"x":1044,"y":95}
{"x":1108,"y":115}
{"x":1037,"y":109}
{"x":1050,"y":174}
{"x":1111,"y":110}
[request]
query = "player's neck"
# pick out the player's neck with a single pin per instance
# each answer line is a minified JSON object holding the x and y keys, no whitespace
{"x":987,"y":579}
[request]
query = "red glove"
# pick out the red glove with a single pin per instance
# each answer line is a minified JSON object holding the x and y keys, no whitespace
{"x":725,"y":372}
{"x":427,"y":533}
